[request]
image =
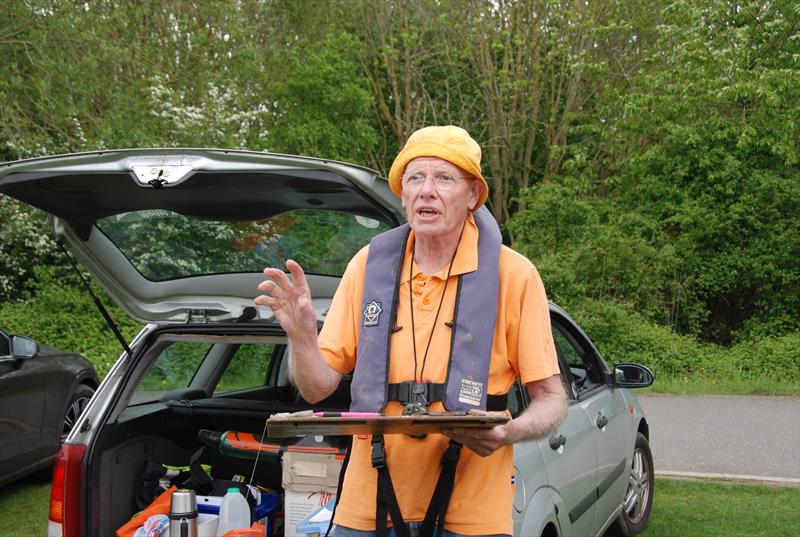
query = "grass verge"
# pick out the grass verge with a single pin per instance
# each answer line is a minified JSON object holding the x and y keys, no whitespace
{"x":686,"y":508}
{"x":24,"y":505}
{"x":703,"y":509}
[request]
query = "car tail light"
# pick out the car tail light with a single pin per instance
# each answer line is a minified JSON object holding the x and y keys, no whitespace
{"x":65,"y":492}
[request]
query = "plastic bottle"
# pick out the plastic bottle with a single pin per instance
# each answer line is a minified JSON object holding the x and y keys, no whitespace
{"x":234,"y":513}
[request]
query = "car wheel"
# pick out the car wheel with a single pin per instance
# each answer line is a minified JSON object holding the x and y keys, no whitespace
{"x":77,"y":403}
{"x":639,"y":495}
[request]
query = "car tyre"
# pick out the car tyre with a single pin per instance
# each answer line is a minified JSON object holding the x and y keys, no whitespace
{"x":80,"y":398}
{"x":638,"y":499}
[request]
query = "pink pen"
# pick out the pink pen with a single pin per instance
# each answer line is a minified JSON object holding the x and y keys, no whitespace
{"x":346,"y":414}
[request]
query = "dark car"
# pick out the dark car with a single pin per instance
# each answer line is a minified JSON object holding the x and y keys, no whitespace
{"x":179,"y":237}
{"x":42,"y":393}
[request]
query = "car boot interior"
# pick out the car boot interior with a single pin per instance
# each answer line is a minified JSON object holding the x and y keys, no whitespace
{"x":184,"y":383}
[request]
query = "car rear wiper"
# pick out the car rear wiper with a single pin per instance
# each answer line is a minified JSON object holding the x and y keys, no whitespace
{"x":103,"y":311}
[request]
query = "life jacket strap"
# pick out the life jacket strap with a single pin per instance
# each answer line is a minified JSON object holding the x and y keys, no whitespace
{"x":425,"y":393}
{"x":340,"y":483}
{"x":437,"y":509}
{"x":418,"y":393}
{"x":386,"y":500}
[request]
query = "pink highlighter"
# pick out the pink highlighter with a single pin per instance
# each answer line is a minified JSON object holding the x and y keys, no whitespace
{"x":346,"y":414}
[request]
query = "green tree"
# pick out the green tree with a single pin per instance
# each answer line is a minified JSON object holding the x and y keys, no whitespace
{"x":24,"y":245}
{"x":692,"y":161}
{"x":322,"y":102}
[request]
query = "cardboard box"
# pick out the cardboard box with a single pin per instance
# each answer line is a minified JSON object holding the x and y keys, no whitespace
{"x":311,"y":472}
{"x":298,"y":505}
{"x":310,"y":478}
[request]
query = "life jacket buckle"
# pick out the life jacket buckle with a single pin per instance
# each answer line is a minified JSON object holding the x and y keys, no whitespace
{"x":378,"y":452}
{"x":418,"y":399}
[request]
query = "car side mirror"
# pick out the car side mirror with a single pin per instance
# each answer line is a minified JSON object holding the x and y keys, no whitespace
{"x":632,"y":376}
{"x":23,"y":347}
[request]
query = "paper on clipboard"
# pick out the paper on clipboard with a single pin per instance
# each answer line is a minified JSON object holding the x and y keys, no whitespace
{"x":305,"y":423}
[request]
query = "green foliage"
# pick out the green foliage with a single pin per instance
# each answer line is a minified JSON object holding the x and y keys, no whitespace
{"x":679,"y":192}
{"x":584,"y":246}
{"x":175,"y":366}
{"x":767,"y":357}
{"x":163,"y":245}
{"x":178,"y":363}
{"x":247,"y":369}
{"x":323,"y":242}
{"x":323,"y":103}
{"x":105,"y":75}
{"x":622,"y":336}
{"x":650,"y":148}
{"x":24,"y":245}
{"x":65,"y":317}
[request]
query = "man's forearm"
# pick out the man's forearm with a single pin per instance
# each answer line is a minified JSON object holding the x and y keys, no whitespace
{"x":547,"y":410}
{"x":315,"y":379}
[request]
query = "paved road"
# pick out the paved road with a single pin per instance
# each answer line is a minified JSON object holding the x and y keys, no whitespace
{"x":731,"y":435}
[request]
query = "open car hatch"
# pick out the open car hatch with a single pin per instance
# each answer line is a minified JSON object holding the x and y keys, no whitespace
{"x":179,"y":235}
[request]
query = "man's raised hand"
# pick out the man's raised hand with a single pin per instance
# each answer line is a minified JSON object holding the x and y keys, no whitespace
{"x":289,"y":300}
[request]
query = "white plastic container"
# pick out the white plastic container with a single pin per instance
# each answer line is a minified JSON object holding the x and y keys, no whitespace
{"x":234,"y":513}
{"x":207,"y":525}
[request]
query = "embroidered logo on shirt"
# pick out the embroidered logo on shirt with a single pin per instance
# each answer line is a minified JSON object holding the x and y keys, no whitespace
{"x":470,"y":393}
{"x":372,"y":312}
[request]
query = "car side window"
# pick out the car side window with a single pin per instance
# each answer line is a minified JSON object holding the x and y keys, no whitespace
{"x":516,"y":399}
{"x":174,"y":368}
{"x":5,"y":347}
{"x":247,"y":368}
{"x":578,"y":357}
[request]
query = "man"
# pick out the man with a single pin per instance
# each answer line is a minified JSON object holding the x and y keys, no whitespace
{"x":433,"y":316}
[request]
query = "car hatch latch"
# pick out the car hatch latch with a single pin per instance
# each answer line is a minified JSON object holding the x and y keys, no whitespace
{"x":85,"y":425}
{"x":160,"y":175}
{"x":197,"y":316}
{"x":158,"y":181}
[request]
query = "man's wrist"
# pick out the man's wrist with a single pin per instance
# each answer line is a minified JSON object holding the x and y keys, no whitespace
{"x":304,"y":341}
{"x":512,"y":433}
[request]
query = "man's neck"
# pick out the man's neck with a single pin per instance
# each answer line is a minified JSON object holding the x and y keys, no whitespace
{"x":432,"y":254}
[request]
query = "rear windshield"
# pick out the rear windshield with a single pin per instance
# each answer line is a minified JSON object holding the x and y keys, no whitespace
{"x":165,"y":245}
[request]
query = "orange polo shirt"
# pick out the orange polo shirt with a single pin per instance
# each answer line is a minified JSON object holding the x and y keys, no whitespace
{"x":523,"y":348}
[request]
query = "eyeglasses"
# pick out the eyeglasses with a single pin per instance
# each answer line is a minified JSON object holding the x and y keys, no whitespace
{"x":441,"y":181}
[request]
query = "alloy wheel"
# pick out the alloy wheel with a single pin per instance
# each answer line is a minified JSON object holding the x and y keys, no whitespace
{"x":74,"y":410}
{"x":638,"y":494}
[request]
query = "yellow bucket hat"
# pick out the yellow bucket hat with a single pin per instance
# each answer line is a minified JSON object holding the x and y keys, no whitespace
{"x":449,"y":143}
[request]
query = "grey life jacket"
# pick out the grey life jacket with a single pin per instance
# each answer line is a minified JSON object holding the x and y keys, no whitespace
{"x":472,"y":326}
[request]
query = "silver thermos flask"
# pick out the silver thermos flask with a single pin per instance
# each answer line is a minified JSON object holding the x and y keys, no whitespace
{"x":183,"y":514}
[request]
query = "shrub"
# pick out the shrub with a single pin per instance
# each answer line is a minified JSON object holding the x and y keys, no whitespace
{"x":771,"y":357}
{"x":625,"y":336}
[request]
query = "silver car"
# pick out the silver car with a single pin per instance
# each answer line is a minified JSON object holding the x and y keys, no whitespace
{"x":178,"y":238}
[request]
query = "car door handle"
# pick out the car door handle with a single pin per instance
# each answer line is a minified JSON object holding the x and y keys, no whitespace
{"x":556,"y":441}
{"x":602,"y":421}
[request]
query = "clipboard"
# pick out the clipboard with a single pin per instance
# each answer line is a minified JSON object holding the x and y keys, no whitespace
{"x":306,"y":423}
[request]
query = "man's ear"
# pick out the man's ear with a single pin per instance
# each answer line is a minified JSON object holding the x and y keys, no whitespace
{"x":476,"y":189}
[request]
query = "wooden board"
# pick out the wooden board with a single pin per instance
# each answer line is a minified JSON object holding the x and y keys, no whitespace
{"x":303,"y":424}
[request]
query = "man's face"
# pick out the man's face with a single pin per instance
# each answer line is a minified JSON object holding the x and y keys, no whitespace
{"x":437,"y":196}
